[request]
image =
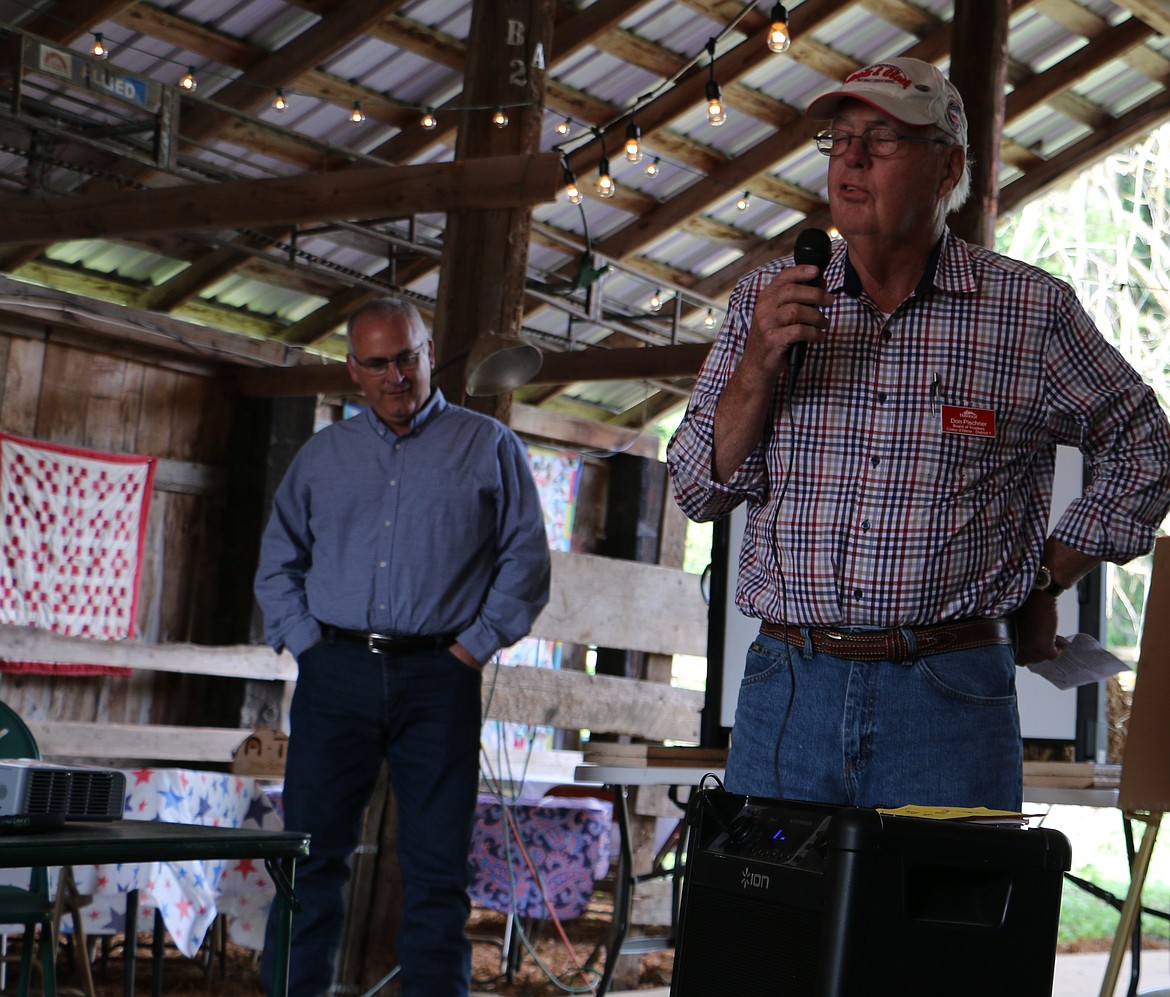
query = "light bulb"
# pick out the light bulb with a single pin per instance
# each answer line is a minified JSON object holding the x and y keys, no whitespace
{"x":605,"y":185}
{"x":357,"y":115}
{"x":744,"y":201}
{"x":716,"y":115}
{"x":99,"y":49}
{"x":188,"y":82}
{"x":573,"y":192}
{"x":655,"y":302}
{"x":652,"y":168}
{"x":279,"y":103}
{"x":564,"y":126}
{"x":633,"y":143}
{"x":709,"y":319}
{"x":779,"y":40}
{"x":500,"y":119}
{"x":428,"y":120}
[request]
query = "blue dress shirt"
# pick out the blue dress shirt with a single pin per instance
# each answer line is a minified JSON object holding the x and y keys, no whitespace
{"x":437,"y":531}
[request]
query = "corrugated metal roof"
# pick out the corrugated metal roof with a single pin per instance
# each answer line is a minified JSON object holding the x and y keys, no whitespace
{"x":412,"y":59}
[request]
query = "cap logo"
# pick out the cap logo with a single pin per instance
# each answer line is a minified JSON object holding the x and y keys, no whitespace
{"x":954,"y":116}
{"x":883,"y":72}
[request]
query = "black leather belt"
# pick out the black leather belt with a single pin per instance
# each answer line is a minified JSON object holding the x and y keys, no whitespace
{"x":892,"y":645}
{"x":389,"y":644}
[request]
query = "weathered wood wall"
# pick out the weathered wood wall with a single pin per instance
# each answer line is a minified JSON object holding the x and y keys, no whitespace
{"x":62,"y":385}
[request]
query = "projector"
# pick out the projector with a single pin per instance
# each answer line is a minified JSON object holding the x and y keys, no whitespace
{"x":31,"y":788}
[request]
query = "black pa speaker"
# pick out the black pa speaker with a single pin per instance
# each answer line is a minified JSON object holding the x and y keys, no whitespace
{"x":792,"y":899}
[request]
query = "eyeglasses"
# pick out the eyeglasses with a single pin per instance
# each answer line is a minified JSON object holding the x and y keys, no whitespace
{"x":877,"y":142}
{"x":378,"y":365}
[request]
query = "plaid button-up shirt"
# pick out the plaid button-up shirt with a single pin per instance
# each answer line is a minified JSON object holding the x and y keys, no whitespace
{"x":909,"y":478}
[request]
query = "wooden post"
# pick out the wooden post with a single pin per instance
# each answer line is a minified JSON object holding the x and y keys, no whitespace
{"x":485,"y":252}
{"x":979,"y":70}
{"x":481,"y":290}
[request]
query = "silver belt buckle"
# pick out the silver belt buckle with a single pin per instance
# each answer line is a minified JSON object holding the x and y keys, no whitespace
{"x":370,"y":638}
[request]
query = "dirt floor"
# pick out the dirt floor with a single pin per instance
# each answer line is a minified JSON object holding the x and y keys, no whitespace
{"x":235,"y":972}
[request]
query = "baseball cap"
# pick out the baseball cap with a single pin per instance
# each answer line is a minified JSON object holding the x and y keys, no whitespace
{"x":908,"y":90}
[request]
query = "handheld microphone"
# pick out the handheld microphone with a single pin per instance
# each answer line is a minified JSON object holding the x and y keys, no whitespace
{"x":814,"y":247}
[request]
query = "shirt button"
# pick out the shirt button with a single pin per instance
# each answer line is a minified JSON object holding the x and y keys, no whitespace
{"x":393,"y":482}
{"x":865,"y":524}
{"x":381,"y":564}
{"x":875,"y":461}
{"x":881,"y":396}
{"x":887,"y":335}
{"x":858,"y":594}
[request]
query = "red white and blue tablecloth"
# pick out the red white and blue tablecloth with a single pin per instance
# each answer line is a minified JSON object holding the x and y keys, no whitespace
{"x":188,"y":895}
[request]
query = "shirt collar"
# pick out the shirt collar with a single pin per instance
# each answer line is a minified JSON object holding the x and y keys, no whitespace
{"x":432,"y":407}
{"x":948,"y":268}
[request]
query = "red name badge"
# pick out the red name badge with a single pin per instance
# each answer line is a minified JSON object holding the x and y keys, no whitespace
{"x":968,"y":421}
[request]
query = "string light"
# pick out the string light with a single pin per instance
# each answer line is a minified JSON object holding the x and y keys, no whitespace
{"x":605,"y":185}
{"x":564,"y":126}
{"x":716,"y":114}
{"x":745,"y":200}
{"x":188,"y":82}
{"x":709,"y":319}
{"x":500,"y":118}
{"x":652,"y":168}
{"x":99,"y":50}
{"x":655,"y":302}
{"x":633,"y":143}
{"x":357,"y":115}
{"x":572,"y":191}
{"x":279,"y":103}
{"x":779,"y":39}
{"x":428,"y":120}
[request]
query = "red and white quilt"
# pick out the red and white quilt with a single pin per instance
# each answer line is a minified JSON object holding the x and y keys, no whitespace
{"x":72,"y":532}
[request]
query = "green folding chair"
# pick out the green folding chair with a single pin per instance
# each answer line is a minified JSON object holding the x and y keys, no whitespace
{"x":34,"y":906}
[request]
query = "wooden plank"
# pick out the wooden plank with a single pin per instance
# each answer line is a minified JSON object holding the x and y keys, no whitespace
{"x":61,"y":406}
{"x":574,"y":700}
{"x":499,"y":182}
{"x":234,"y":661}
{"x":22,"y":386}
{"x":535,"y":422}
{"x":95,"y":741}
{"x":565,"y":699}
{"x":624,"y":604}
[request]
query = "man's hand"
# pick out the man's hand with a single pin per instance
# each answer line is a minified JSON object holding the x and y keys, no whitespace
{"x":1036,"y":634}
{"x":464,"y":655}
{"x":787,"y":311}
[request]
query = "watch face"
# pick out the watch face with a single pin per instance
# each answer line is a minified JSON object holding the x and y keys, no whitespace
{"x":1043,"y":578}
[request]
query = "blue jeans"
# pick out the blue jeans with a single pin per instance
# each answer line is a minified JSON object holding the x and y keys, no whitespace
{"x":421,"y":712}
{"x":942,"y":730}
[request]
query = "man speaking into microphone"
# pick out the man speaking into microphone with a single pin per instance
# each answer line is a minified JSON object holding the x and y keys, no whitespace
{"x":898,"y":475}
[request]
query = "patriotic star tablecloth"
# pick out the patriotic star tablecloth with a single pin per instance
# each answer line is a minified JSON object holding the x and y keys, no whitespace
{"x":188,"y":895}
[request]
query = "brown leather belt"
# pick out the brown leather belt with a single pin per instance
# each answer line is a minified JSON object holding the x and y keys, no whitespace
{"x":892,"y":645}
{"x":389,"y":644}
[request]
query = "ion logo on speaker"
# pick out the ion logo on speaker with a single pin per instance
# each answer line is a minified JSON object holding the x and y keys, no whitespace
{"x":754,"y":880}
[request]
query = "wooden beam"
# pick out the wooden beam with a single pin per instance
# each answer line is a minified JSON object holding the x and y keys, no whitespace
{"x":379,"y":191}
{"x":636,"y":363}
{"x":1092,"y":148}
{"x":979,"y":72}
{"x":1156,"y":13}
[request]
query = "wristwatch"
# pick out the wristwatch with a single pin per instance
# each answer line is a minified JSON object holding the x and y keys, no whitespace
{"x":1045,"y":583}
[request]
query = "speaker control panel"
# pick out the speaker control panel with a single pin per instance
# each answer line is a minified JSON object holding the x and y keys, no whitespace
{"x":778,"y":835}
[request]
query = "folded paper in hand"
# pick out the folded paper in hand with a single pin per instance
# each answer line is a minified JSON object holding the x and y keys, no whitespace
{"x":1081,"y":662}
